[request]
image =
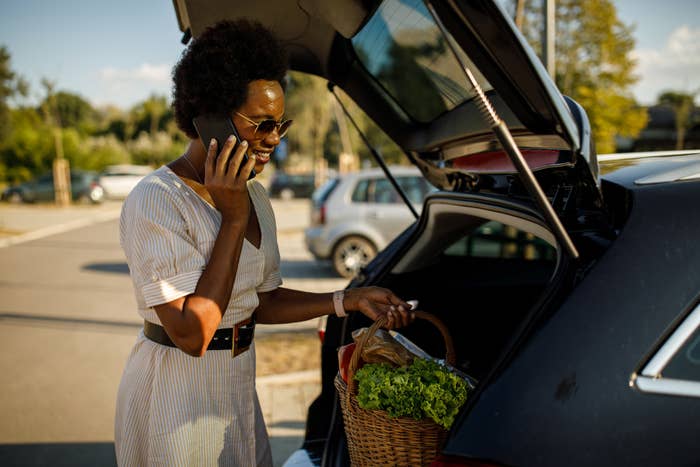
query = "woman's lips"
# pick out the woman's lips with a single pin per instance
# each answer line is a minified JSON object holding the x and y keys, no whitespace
{"x":262,"y":157}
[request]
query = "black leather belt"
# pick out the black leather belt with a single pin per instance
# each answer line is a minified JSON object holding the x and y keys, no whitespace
{"x":236,"y":339}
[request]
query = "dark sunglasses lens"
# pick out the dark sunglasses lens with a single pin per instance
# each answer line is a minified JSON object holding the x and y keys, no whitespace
{"x":266,"y":126}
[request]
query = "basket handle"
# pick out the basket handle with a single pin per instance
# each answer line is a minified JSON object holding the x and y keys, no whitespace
{"x":450,"y":356}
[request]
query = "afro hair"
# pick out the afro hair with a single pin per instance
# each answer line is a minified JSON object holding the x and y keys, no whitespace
{"x":213,"y":73}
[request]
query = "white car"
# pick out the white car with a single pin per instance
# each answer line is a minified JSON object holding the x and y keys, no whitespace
{"x":119,"y":180}
{"x":358,"y":214}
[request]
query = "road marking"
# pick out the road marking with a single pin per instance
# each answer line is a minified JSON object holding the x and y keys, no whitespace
{"x":60,"y":228}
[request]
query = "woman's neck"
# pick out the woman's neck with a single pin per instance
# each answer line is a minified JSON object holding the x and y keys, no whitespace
{"x":194,"y":157}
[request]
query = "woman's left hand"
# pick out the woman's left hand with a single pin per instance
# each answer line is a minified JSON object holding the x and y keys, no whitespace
{"x":375,"y":302}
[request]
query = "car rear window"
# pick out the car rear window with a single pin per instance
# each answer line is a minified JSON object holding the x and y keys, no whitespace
{"x":324,"y":191}
{"x":380,"y":190}
{"x":403,"y":48}
{"x":494,"y":239}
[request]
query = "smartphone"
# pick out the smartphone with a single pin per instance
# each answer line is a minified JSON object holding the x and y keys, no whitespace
{"x":219,"y":127}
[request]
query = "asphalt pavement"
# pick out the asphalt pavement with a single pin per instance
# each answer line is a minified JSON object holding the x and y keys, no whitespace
{"x":68,"y":321}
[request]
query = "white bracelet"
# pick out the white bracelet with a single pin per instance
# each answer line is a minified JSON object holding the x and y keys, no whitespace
{"x":338,"y":296}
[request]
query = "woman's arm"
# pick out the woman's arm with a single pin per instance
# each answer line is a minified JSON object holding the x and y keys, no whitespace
{"x":191,"y":321}
{"x":286,"y":305}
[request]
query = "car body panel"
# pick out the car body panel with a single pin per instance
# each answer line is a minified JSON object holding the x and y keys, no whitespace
{"x":572,"y":389}
{"x":119,"y":180}
{"x":632,"y":169}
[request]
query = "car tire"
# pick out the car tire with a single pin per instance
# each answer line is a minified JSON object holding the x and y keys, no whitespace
{"x":15,"y":198}
{"x":351,"y":254}
{"x":287,"y":194}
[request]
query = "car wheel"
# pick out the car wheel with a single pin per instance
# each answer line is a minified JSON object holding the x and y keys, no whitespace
{"x":351,"y":254}
{"x":15,"y":198}
{"x":287,"y":194}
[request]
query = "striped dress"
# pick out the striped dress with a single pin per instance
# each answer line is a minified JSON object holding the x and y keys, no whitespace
{"x":174,"y":409}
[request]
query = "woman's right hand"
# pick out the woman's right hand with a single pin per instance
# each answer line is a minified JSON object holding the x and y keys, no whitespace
{"x":226,"y":183}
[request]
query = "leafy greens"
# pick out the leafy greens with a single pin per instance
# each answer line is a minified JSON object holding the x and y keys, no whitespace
{"x":424,"y":389}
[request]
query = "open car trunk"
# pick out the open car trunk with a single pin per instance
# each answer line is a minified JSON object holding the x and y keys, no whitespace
{"x":488,"y":268}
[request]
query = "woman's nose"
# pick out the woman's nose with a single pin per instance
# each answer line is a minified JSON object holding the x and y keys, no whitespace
{"x":272,"y":138}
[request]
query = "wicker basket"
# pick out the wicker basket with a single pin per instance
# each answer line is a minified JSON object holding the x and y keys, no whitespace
{"x":376,"y":439}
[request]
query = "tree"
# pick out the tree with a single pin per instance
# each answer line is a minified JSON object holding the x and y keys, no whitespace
{"x":307,"y":100}
{"x":11,"y":85}
{"x":148,"y":115}
{"x":682,"y":105}
{"x":594,"y":65}
{"x":71,"y":111}
{"x":28,"y":148}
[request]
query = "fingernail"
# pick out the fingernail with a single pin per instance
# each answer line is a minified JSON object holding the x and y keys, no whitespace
{"x":230,"y":137}
{"x":244,"y":143}
{"x":212,"y":142}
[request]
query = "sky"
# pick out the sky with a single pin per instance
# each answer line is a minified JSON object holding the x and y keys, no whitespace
{"x":120,"y":53}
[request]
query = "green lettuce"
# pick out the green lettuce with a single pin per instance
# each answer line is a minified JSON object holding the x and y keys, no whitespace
{"x":424,"y":389}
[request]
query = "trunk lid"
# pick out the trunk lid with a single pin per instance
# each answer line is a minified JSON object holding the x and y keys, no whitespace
{"x":406,"y":73}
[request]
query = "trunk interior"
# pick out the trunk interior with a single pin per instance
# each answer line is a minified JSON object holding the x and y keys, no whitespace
{"x":480,"y":269}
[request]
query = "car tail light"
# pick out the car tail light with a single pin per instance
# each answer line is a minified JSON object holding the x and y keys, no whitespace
{"x":455,"y":461}
{"x":318,"y":216}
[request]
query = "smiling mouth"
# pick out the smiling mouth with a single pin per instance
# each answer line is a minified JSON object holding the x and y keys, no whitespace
{"x":261,"y":156}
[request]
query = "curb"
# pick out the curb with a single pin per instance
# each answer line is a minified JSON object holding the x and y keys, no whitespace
{"x":308,"y":376}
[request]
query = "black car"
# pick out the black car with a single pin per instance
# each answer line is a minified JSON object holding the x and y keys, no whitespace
{"x":85,"y":188}
{"x":288,"y":186}
{"x":571,"y":286}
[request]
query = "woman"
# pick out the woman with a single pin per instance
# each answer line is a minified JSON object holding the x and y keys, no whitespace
{"x":201,"y":245}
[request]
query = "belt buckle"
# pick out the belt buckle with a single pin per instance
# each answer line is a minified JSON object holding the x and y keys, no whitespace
{"x":236,"y":350}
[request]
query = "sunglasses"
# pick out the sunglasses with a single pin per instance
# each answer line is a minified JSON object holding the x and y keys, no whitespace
{"x":267,"y":126}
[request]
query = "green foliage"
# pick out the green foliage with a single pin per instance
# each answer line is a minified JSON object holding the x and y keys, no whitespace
{"x":150,"y":116}
{"x":388,"y":149}
{"x":72,"y":111}
{"x":307,"y":103}
{"x":11,"y":85}
{"x":28,"y":148}
{"x":593,"y":64}
{"x":423,"y":389}
{"x":154,"y":150}
{"x":97,"y":152}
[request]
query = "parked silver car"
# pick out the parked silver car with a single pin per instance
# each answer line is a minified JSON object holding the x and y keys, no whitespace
{"x":119,"y":180}
{"x":358,"y":214}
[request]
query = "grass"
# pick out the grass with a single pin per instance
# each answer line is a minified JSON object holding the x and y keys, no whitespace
{"x":287,"y":352}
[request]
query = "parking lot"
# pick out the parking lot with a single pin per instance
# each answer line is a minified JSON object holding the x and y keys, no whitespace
{"x":68,"y":321}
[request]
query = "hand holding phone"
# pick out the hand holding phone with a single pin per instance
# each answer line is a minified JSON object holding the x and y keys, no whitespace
{"x":219,"y":127}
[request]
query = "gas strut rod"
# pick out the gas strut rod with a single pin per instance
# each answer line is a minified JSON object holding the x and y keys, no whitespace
{"x":375,"y":153}
{"x":504,"y":136}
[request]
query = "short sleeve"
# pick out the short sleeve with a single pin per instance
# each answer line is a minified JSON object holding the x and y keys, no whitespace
{"x":163,"y":260}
